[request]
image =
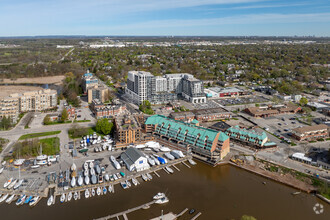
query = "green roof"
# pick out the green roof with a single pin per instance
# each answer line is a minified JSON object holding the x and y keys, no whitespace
{"x":194,"y":121}
{"x":184,"y":129}
{"x":250,"y":133}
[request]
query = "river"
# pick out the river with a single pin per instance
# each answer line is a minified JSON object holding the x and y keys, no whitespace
{"x":224,"y":192}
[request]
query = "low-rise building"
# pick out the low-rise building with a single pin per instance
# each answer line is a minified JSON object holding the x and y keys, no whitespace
{"x":204,"y":142}
{"x":89,"y":81}
{"x":183,"y":116}
{"x":134,"y":159}
{"x":226,"y":92}
{"x":201,"y":115}
{"x":271,"y":110}
{"x":71,"y":111}
{"x":128,"y":130}
{"x":101,"y":110}
{"x":250,"y":137}
{"x":310,"y":132}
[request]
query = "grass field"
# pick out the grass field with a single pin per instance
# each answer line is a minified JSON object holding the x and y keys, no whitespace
{"x":35,"y":135}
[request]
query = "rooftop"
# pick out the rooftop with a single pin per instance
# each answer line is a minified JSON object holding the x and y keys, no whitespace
{"x":310,"y":128}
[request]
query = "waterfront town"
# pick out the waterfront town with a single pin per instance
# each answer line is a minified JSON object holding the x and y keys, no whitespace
{"x":82,"y":135}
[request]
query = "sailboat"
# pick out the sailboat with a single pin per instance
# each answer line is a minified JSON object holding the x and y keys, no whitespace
{"x":86,"y":180}
{"x":18,"y":184}
{"x":34,"y":200}
{"x":1,"y":169}
{"x":50,"y":200}
{"x":41,"y":157}
{"x":69,"y":196}
{"x":75,"y":195}
{"x":62,"y":198}
{"x":11,"y":198}
{"x":3,"y":198}
{"x":80,"y":180}
{"x":73,"y":182}
{"x":86,"y":193}
{"x":21,"y":200}
{"x":6,"y":184}
{"x":12,"y":184}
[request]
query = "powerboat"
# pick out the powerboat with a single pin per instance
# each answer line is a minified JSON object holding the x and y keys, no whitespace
{"x":115,"y":162}
{"x":104,"y":190}
{"x":92,"y":172}
{"x":151,"y":161}
{"x":69,"y":196}
{"x":179,"y":152}
{"x":165,"y":149}
{"x":169,"y":156}
{"x":98,"y":191}
{"x":27,"y":200}
{"x":144,"y":177}
{"x":80,"y":180}
{"x":1,"y":169}
{"x":21,"y":200}
{"x":106,"y":177}
{"x":128,"y":183}
{"x":34,"y":201}
{"x":75,"y":195}
{"x":85,"y":166}
{"x":50,"y":200}
{"x":86,"y":180}
{"x":100,"y":178}
{"x":93,"y":179}
{"x":115,"y":176}
{"x":18,"y":184}
{"x":3,"y":198}
{"x":86,"y":172}
{"x":170,"y":170}
{"x":124,"y":185}
{"x":93,"y":192}
{"x":134,"y":181}
{"x":10,"y":198}
{"x":192,"y":162}
{"x":155,"y":160}
{"x":6,"y":184}
{"x":73,"y":182}
{"x":42,"y":162}
{"x":162,"y":200}
{"x":12,"y":184}
{"x":91,"y":164}
{"x":42,"y":157}
{"x":62,"y":198}
{"x":86,"y":193}
{"x":149,"y":176}
{"x":159,"y":196}
{"x":73,"y":167}
{"x":19,"y":162}
{"x":110,"y":188}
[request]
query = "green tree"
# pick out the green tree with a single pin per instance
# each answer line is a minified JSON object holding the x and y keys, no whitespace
{"x":47,"y":120}
{"x":5,"y":123}
{"x":64,"y":115}
{"x":303,"y":101}
{"x":103,"y":126}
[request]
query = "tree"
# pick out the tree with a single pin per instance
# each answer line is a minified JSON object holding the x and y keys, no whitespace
{"x":103,"y":126}
{"x":303,"y":101}
{"x":307,"y":110}
{"x":5,"y":123}
{"x":64,"y":115}
{"x":47,"y":120}
{"x":77,"y":132}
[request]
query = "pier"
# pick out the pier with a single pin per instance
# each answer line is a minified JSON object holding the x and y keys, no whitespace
{"x":124,"y":213}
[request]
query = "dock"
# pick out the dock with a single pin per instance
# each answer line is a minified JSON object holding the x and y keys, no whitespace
{"x":166,"y":170}
{"x":196,"y":216}
{"x":124,"y":213}
{"x":156,"y":174}
{"x":185,"y":164}
{"x":175,"y":167}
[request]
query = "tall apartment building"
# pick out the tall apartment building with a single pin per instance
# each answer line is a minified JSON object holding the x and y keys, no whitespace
{"x":88,"y":81}
{"x":143,"y":85}
{"x":16,"y":103}
{"x":101,"y":93}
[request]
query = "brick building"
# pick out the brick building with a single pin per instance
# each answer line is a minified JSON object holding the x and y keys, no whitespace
{"x":271,"y":110}
{"x":310,"y":132}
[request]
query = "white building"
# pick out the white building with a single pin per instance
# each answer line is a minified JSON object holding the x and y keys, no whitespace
{"x":134,"y":160}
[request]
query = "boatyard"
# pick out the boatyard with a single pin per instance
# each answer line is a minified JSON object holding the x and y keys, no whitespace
{"x":97,"y":175}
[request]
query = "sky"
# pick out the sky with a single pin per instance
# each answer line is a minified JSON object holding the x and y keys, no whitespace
{"x":165,"y":17}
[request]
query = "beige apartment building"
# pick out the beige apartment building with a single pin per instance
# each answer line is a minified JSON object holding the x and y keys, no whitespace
{"x":98,"y":92}
{"x":16,"y":103}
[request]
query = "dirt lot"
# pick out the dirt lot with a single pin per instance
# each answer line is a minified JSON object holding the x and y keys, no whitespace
{"x":38,"y":80}
{"x":7,"y":90}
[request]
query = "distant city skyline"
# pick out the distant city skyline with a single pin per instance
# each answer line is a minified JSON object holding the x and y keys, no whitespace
{"x":165,"y":17}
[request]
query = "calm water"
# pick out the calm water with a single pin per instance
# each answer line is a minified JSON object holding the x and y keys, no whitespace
{"x":219,"y":193}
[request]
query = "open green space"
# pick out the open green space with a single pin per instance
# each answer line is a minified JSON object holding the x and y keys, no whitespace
{"x":35,"y":135}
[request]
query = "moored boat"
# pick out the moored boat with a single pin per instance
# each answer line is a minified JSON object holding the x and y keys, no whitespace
{"x":110,"y":189}
{"x":134,"y":181}
{"x":62,"y":198}
{"x":6,"y":184}
{"x":86,"y":193}
{"x":28,"y":199}
{"x":106,"y":177}
{"x":34,"y":201}
{"x":69,"y":196}
{"x":10,"y":198}
{"x":144,"y":177}
{"x":149,"y":176}
{"x":4,"y":197}
{"x":159,"y":195}
{"x":73,"y":182}
{"x":124,"y":185}
{"x":93,"y":192}
{"x":192,"y":162}
{"x":170,"y":170}
{"x":98,"y":191}
{"x":128,"y":183}
{"x":50,"y":200}
{"x":162,"y":200}
{"x":75,"y":195}
{"x":105,"y":190}
{"x":21,"y":200}
{"x":86,"y":180}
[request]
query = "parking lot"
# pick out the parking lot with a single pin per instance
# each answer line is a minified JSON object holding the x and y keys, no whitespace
{"x":241,"y":100}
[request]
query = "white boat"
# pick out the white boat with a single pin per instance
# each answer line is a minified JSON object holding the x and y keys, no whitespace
{"x":35,"y":166}
{"x":6,"y":184}
{"x":115,"y":162}
{"x":192,"y":162}
{"x":91,"y":164}
{"x":73,"y":182}
{"x":62,"y":198}
{"x":75,"y":195}
{"x":149,"y":176}
{"x":73,"y":167}
{"x":128,"y":183}
{"x":104,"y":190}
{"x":80,"y":180}
{"x":21,"y":200}
{"x":86,"y":172}
{"x":69,"y":196}
{"x":140,"y":146}
{"x":93,"y":179}
{"x":110,"y":189}
{"x":86,"y":180}
{"x":18,"y":184}
{"x":170,"y":170}
{"x":179,"y":152}
{"x":34,"y":201}
{"x":159,"y":196}
{"x":42,"y":157}
{"x":144,"y":177}
{"x":162,"y":200}
{"x":50,"y":200}
{"x":86,"y":193}
{"x":92,"y":172}
{"x":97,"y":169}
{"x":104,"y":147}
{"x":11,"y":198}
{"x":93,"y":192}
{"x":134,"y":181}
{"x":4,"y":197}
{"x":42,"y":162}
{"x":12,"y":184}
{"x":165,"y":149}
{"x":1,"y":169}
{"x":19,"y":162}
{"x":169,"y":156}
{"x":124,"y":185}
{"x":85,"y":166}
{"x":151,"y":161}
{"x":106,"y":177}
{"x":115,"y":176}
{"x":98,"y":191}
{"x":155,"y":160}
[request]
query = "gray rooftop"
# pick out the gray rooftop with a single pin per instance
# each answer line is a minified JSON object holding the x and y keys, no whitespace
{"x":131,"y":155}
